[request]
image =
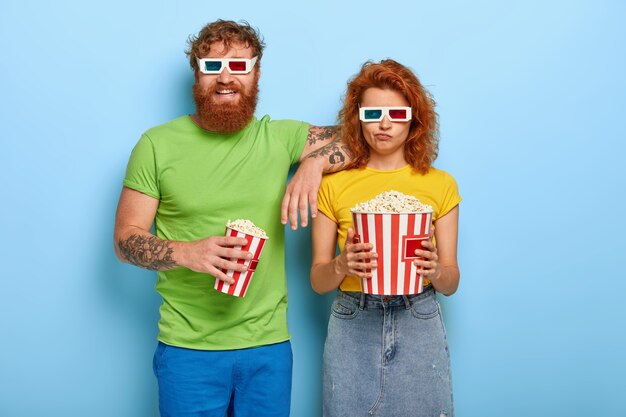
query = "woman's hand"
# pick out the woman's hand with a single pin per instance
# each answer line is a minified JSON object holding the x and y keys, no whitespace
{"x":356,"y":258}
{"x":428,"y":266}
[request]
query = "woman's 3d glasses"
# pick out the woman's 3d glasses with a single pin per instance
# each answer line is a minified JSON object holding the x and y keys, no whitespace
{"x":376,"y":114}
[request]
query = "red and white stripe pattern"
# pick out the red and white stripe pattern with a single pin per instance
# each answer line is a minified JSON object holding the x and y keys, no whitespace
{"x":395,"y":237}
{"x":242,"y":279}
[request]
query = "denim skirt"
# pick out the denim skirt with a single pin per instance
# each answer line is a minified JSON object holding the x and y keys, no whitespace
{"x":386,"y":356}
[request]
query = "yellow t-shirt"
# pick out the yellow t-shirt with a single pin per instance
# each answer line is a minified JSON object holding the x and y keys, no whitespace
{"x":343,"y":190}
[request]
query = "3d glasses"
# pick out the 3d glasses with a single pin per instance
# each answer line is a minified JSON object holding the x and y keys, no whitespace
{"x":376,"y":114}
{"x":234,"y":65}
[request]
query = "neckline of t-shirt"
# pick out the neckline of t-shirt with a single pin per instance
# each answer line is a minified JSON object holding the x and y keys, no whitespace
{"x":389,"y":171}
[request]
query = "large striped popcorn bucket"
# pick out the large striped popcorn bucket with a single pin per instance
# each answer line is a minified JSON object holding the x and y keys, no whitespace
{"x":395,"y":237}
{"x":242,"y":279}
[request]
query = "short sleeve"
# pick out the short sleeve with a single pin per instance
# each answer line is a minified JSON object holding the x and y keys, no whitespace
{"x":141,"y":171}
{"x":325,"y":198}
{"x":292,"y":134}
{"x":450,"y":196}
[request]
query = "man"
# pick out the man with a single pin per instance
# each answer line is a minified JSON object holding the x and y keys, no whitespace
{"x":218,"y":353}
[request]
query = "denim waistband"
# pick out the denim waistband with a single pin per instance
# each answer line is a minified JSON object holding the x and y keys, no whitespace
{"x":366,"y":301}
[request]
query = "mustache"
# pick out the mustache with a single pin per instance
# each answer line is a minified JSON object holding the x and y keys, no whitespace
{"x":229,"y":86}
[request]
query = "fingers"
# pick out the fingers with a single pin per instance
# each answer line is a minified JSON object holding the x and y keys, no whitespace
{"x":293,"y":206}
{"x":229,"y":264}
{"x":360,"y":247}
{"x":223,"y":277}
{"x":301,"y":193}
{"x":217,"y":254}
{"x":361,"y":274}
{"x":426,"y":256}
{"x":353,"y":243}
{"x":299,"y":204}
{"x":226,"y":259}
{"x":313,"y":203}
{"x":220,"y":268}
{"x":230,"y":251}
{"x":234,"y":254}
{"x":220,"y":265}
{"x":294,"y":203}
{"x":428,"y":249}
{"x":428,"y":268}
{"x":361,"y":269}
{"x":424,"y":265}
{"x":428,"y":263}
{"x":218,"y":274}
{"x":226,"y":241}
{"x":303,"y":205}
{"x":359,"y":265}
{"x":284,"y":207}
{"x":361,"y":259}
{"x":428,"y":244}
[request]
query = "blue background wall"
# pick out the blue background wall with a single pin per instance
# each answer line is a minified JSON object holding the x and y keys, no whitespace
{"x":531,"y":100}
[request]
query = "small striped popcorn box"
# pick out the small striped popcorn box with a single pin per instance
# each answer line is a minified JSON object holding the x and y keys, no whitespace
{"x":242,"y":279}
{"x":395,"y":237}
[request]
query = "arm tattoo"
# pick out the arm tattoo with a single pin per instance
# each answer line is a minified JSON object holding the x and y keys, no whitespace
{"x":147,"y":252}
{"x":338,"y":154}
{"x":323,"y":133}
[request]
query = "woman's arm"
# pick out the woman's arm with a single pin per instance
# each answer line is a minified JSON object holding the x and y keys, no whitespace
{"x":440,"y":264}
{"x":328,"y":270}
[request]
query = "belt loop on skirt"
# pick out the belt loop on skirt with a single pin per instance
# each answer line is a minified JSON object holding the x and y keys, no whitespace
{"x":362,"y":301}
{"x":407,"y":303}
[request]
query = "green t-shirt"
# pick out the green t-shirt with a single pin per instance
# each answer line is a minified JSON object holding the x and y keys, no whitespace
{"x":202,"y":180}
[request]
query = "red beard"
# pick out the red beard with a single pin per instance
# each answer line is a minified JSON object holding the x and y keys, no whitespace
{"x":225,"y":118}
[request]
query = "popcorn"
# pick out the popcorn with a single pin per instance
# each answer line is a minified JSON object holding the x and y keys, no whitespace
{"x":246,"y":226}
{"x":396,"y":225}
{"x":392,"y":202}
{"x":255,"y":242}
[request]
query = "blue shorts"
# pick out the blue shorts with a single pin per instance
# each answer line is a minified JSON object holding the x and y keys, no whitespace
{"x":243,"y":383}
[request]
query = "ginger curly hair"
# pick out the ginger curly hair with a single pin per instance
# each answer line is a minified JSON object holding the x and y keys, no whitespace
{"x":228,"y":32}
{"x":421,"y":147}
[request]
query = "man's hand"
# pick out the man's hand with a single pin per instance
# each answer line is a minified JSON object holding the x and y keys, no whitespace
{"x":323,"y":153}
{"x":212,"y":254}
{"x":301,"y":193}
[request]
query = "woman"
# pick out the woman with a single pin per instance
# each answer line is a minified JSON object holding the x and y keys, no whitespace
{"x":386,"y":355}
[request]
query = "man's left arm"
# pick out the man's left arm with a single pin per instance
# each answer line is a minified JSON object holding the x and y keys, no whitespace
{"x":323,"y":153}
